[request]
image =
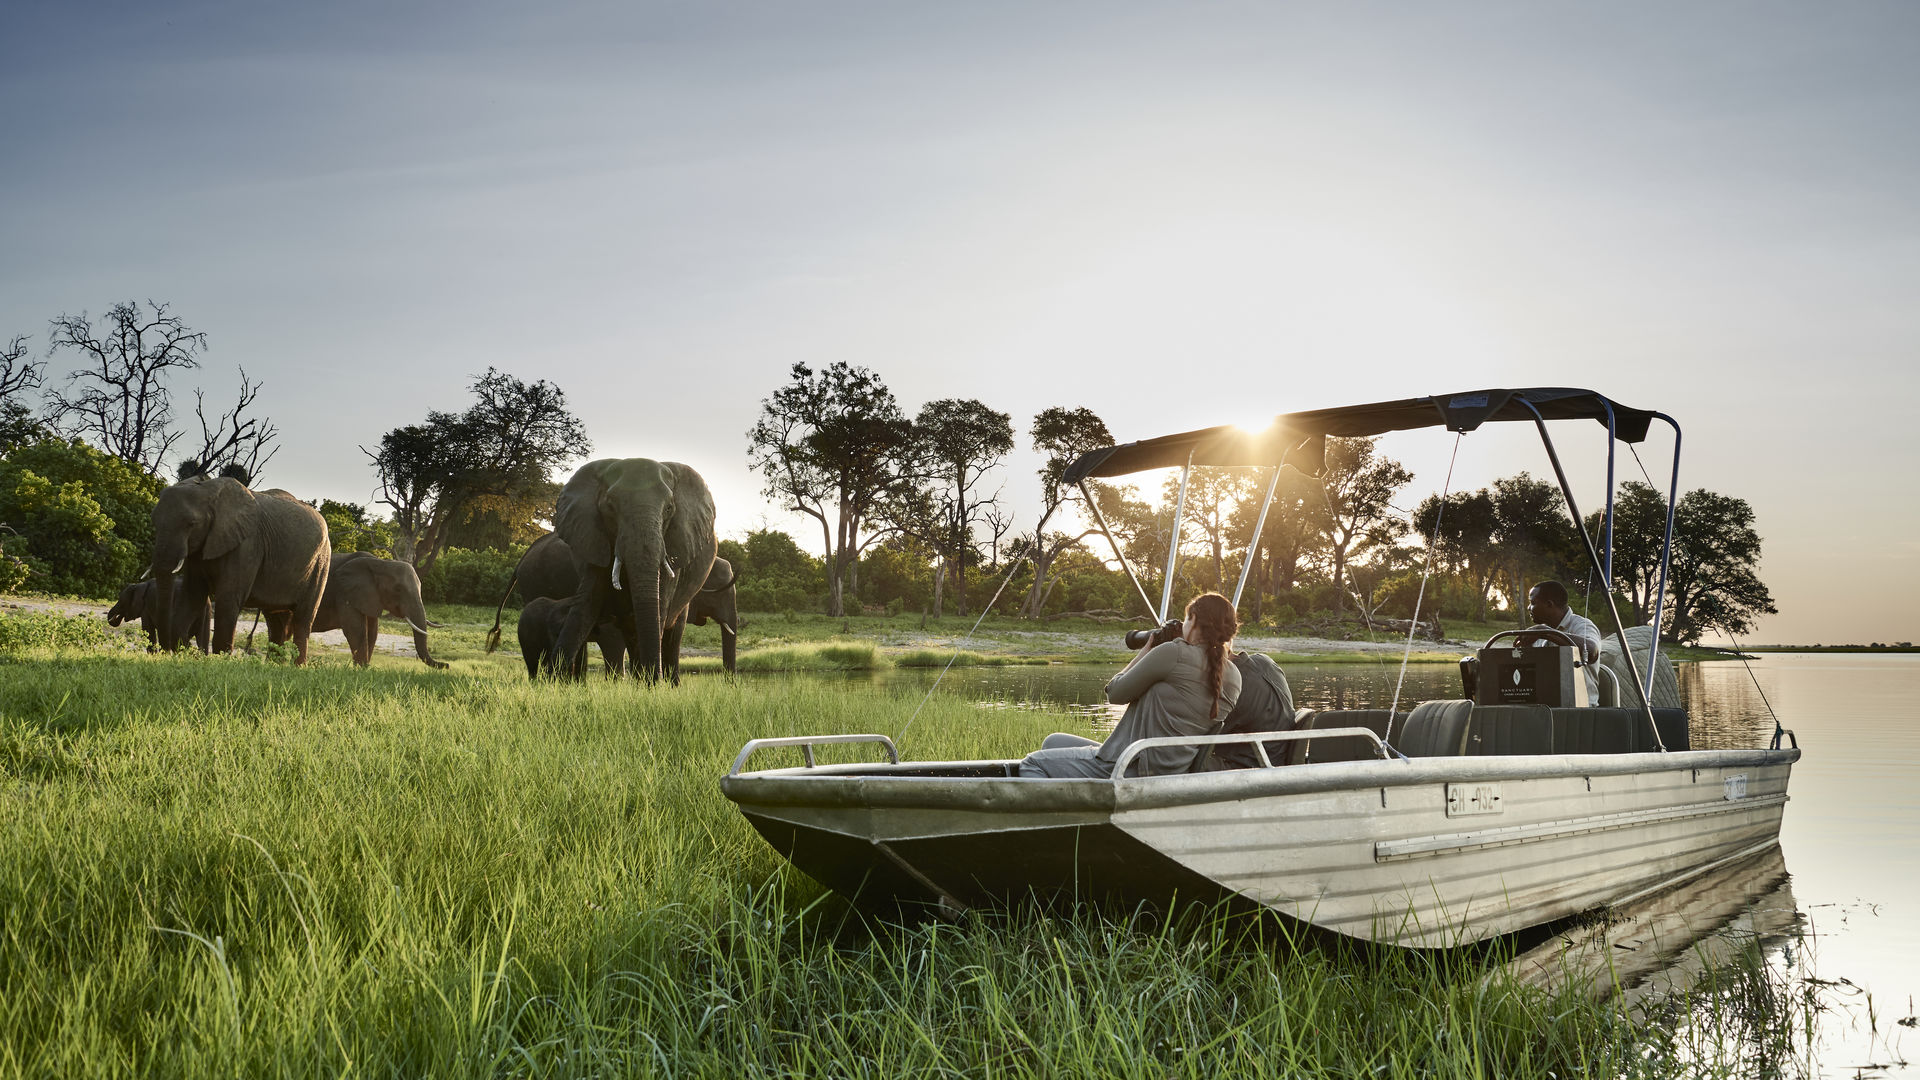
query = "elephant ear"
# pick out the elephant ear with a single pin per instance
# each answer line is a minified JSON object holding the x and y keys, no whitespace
{"x":232,"y":514}
{"x":720,"y":577}
{"x":576,"y":516}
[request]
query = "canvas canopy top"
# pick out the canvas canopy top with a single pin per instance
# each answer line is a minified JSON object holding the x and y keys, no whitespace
{"x":1300,"y":438}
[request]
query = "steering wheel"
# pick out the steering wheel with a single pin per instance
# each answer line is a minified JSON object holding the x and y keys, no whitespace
{"x":1564,"y":639}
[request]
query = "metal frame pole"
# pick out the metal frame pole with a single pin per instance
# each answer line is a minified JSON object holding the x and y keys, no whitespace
{"x":1619,"y":627}
{"x":1253,"y":545}
{"x":1173,"y":543}
{"x":1100,"y":520}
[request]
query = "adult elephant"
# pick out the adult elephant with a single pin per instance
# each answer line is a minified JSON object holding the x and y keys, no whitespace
{"x":642,"y":539}
{"x":361,"y":587}
{"x":239,"y":548}
{"x":546,"y":570}
{"x":141,"y":601}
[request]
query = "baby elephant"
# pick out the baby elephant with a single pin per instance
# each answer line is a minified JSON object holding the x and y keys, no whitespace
{"x":361,"y":588}
{"x":540,"y":624}
{"x":140,"y":600}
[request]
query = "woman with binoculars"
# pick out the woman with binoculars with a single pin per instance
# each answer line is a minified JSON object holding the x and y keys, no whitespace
{"x":1183,"y":684}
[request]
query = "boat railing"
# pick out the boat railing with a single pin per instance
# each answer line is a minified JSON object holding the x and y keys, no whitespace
{"x":1259,"y":739}
{"x":806,"y":743}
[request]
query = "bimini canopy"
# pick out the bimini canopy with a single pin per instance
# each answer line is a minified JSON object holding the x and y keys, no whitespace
{"x":1300,"y":438}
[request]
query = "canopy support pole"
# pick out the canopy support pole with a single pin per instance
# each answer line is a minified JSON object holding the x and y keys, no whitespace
{"x":1253,"y":546}
{"x":1619,"y":627}
{"x":1101,"y":521}
{"x":1666,"y":554}
{"x":1173,"y":542}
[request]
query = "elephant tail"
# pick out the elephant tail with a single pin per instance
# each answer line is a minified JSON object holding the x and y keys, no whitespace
{"x":493,"y":635}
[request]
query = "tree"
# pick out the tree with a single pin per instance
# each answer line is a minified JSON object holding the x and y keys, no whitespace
{"x":1463,"y":537}
{"x":1063,"y":435}
{"x":117,"y":395}
{"x":83,"y":517}
{"x":1639,"y":528}
{"x":505,"y":446}
{"x":351,"y":528}
{"x":1359,"y":489}
{"x":1213,"y":494}
{"x":834,"y":445}
{"x":1532,"y":533}
{"x":1292,"y":539}
{"x":235,"y":438}
{"x":1713,"y":580}
{"x":963,"y":440}
{"x":18,"y":375}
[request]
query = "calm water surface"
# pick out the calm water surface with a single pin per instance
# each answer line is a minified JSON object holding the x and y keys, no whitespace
{"x":1851,"y":837}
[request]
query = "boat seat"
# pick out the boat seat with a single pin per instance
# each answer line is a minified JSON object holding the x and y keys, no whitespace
{"x":1609,"y":684}
{"x":1506,"y":730}
{"x":1436,"y":729}
{"x":1617,"y":731}
{"x":1313,"y":751}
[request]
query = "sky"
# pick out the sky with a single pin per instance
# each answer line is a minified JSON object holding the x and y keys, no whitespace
{"x":1176,"y":215}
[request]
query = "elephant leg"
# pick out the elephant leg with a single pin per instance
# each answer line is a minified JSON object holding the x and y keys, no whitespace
{"x":355,"y":629}
{"x":226,"y":619}
{"x":670,"y":650}
{"x":368,"y":641}
{"x":279,"y":626}
{"x":613,"y":648}
{"x":196,"y":595}
{"x":570,"y":650}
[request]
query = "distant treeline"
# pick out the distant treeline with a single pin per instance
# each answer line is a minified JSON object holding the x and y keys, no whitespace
{"x":910,"y":508}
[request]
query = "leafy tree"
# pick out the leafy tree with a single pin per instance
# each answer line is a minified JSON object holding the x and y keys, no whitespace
{"x":504,"y":447}
{"x":835,"y":446}
{"x":1213,"y":494}
{"x":1532,"y":534}
{"x":773,"y":573}
{"x":83,"y":519}
{"x":1463,"y":538}
{"x":963,"y":439}
{"x":1292,"y":540}
{"x":1713,"y":580}
{"x":1359,"y":486}
{"x":1062,"y":435}
{"x":1639,"y":527}
{"x":351,"y":528}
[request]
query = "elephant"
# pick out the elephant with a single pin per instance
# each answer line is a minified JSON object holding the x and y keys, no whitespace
{"x":546,"y":569}
{"x":240,"y":548}
{"x":360,"y":587}
{"x":541,"y":622}
{"x":140,"y":601}
{"x":642,"y":529}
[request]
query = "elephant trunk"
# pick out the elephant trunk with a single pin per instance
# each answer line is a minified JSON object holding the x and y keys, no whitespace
{"x":640,"y":557}
{"x":415,"y":612}
{"x":169,"y":558}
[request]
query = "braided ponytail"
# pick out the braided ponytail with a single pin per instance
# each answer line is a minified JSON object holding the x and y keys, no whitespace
{"x":1215,"y":624}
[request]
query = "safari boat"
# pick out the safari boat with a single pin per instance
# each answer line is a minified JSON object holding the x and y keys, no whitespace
{"x":1448,"y":823}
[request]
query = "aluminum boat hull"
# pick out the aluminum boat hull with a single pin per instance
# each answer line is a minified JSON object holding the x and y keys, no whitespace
{"x":1426,"y":853}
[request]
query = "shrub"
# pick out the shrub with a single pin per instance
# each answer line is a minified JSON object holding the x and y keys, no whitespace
{"x":460,"y":576}
{"x":24,"y":630}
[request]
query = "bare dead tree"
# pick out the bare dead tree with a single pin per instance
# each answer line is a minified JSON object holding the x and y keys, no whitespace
{"x":117,"y":395}
{"x":18,"y":375}
{"x":235,"y":438}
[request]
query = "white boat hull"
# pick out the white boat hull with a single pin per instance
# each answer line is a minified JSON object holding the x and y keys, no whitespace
{"x":1370,"y":850}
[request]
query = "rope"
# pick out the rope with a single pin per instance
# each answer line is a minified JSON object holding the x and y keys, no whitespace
{"x":1742,"y":653}
{"x":1413,"y":624}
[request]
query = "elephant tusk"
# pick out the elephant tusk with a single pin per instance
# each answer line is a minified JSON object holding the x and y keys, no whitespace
{"x":176,"y":569}
{"x":729,"y":629}
{"x":616,"y":573}
{"x":417,"y":628}
{"x":668,"y":567}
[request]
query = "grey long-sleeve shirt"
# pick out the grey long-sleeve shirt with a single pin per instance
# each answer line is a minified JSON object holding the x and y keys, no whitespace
{"x":1166,"y":693}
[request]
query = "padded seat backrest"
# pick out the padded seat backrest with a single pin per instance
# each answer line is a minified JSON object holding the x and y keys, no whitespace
{"x":1600,"y":731}
{"x":1436,"y":729}
{"x":1506,"y":730}
{"x":1609,"y":686}
{"x":1314,"y":751}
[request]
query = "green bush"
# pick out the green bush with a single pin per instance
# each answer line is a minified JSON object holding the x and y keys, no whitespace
{"x":460,"y":576}
{"x":83,"y":519}
{"x":20,"y":631}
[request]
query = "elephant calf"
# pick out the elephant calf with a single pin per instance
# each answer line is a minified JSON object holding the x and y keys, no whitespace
{"x":140,"y":600}
{"x":360,"y":588}
{"x":540,"y":624}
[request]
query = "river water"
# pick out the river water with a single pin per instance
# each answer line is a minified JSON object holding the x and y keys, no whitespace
{"x":1850,"y":839}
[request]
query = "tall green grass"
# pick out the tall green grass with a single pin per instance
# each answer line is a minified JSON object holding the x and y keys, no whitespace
{"x":216,"y":867}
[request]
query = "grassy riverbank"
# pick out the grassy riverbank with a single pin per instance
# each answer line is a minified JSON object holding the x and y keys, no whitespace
{"x":230,"y":867}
